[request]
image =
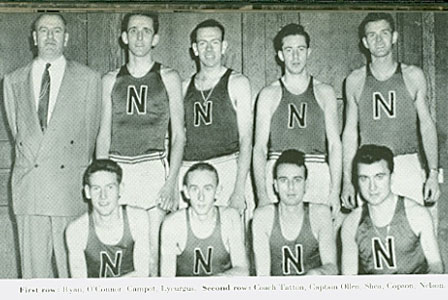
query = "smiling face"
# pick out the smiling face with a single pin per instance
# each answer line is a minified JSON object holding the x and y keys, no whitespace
{"x":209,"y":46}
{"x":201,"y":190}
{"x":294,"y":53}
{"x":50,"y":37}
{"x":379,"y":38}
{"x":104,"y":191}
{"x":290,"y":183}
{"x":140,"y":35}
{"x":374,"y":181}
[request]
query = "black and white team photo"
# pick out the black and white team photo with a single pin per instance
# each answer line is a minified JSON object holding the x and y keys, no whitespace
{"x":147,"y":143}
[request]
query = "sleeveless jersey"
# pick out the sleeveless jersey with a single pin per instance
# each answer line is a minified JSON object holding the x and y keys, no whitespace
{"x":211,"y":126}
{"x":294,"y":257}
{"x":298,"y":123}
{"x":140,"y":113}
{"x":105,"y":260}
{"x":387,"y":115}
{"x":203,"y":257}
{"x":396,"y":250}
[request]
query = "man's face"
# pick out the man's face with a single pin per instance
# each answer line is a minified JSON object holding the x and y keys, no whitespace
{"x":379,"y":38}
{"x":50,"y":37}
{"x":290,"y":183}
{"x":104,"y":191}
{"x":209,"y":46}
{"x":201,"y":190}
{"x":294,"y":53}
{"x":374,"y":181}
{"x":140,"y":36}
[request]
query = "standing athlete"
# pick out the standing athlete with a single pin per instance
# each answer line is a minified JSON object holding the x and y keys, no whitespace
{"x":386,"y":104}
{"x":390,"y":234}
{"x":298,"y":112}
{"x":203,"y":239}
{"x":111,"y":240}
{"x":141,"y":101}
{"x":218,"y":117}
{"x":293,"y":237}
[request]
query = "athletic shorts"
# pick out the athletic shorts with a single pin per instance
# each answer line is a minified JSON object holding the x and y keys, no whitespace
{"x":143,"y":177}
{"x":227,"y":167}
{"x":317,"y":183}
{"x":408,"y":177}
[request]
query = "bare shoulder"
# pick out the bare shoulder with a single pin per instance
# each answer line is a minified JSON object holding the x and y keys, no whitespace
{"x":238,"y":79}
{"x":175,"y":220}
{"x":412,"y":73}
{"x":270,"y":93}
{"x":324,"y":92}
{"x":137,"y":215}
{"x":169,"y":73}
{"x":320,"y":211}
{"x":357,"y":76}
{"x":229,"y":214}
{"x":78,"y":230}
{"x":109,"y":78}
{"x":263,"y":214}
{"x":415,"y":210}
{"x":350,"y":224}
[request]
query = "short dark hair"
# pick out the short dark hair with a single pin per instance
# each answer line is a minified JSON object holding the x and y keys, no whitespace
{"x":369,"y":154}
{"x":41,"y":15}
{"x":373,"y":17}
{"x":293,"y":157}
{"x":106,"y":165}
{"x":205,"y":24}
{"x":200,"y":166}
{"x":152,"y":15}
{"x":290,"y":29}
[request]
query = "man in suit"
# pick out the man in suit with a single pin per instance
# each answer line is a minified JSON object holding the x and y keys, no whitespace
{"x":53,"y":107}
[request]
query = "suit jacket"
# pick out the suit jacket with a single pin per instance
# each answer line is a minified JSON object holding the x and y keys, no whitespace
{"x":48,"y":167}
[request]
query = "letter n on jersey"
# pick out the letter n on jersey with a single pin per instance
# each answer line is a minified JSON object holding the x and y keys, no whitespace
{"x":380,"y":103}
{"x":136,"y":99}
{"x":295,"y":260}
{"x":114,"y":266}
{"x":203,"y":113}
{"x":297,"y":116}
{"x":201,"y":262}
{"x":384,"y":253}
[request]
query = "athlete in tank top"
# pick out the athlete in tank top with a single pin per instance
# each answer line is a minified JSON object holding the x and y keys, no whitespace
{"x":298,"y":123}
{"x":203,"y":257}
{"x":104,"y":260}
{"x":297,"y":256}
{"x":140,"y":113}
{"x":211,"y":126}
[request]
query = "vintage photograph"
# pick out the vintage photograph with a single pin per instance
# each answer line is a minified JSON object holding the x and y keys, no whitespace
{"x":248,"y":143}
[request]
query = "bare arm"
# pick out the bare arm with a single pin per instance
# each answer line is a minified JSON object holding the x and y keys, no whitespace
{"x":416,"y":80}
{"x":261,"y":227}
{"x":173,"y":85}
{"x":234,"y":236}
{"x":10,"y":108}
{"x":262,"y":130}
{"x":138,"y":223}
{"x":350,"y":140}
{"x":349,"y":264}
{"x":329,"y":101}
{"x":240,"y":93}
{"x":170,"y":239}
{"x":76,"y":239}
{"x":422,"y":225}
{"x":104,"y":136}
{"x":321,"y":219}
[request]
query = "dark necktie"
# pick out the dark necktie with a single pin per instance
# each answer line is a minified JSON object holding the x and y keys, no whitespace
{"x":44,"y":98}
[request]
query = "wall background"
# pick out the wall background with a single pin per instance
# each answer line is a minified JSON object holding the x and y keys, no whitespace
{"x":94,"y":36}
